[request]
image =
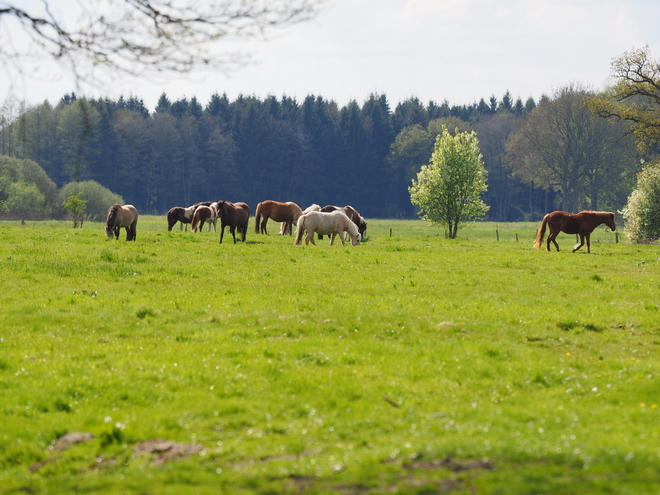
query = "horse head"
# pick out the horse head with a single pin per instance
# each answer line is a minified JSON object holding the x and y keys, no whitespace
{"x":610,"y":221}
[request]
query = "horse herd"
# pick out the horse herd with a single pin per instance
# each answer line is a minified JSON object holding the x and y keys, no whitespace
{"x":329,"y":220}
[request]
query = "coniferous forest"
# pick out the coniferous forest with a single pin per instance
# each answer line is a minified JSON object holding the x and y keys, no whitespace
{"x":252,"y":149}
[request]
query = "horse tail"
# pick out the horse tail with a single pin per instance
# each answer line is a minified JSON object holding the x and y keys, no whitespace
{"x":195,"y":219}
{"x":300,"y":230}
{"x":257,"y":218}
{"x":541,"y":233}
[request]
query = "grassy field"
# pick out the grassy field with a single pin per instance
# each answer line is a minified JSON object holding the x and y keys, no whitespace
{"x":409,"y":364}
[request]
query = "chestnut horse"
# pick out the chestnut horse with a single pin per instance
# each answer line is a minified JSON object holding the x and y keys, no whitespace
{"x":288,"y":213}
{"x":286,"y":228}
{"x":326,"y":223}
{"x":582,"y":223}
{"x":236,"y":215}
{"x":350,"y":213}
{"x":121,"y":216}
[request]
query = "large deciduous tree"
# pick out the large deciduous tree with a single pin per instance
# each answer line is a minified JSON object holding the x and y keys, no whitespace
{"x":448,"y":190}
{"x":562,"y":146}
{"x":635,"y":97}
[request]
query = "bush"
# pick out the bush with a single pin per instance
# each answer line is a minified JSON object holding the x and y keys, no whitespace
{"x":642,"y":211}
{"x":99,"y":199}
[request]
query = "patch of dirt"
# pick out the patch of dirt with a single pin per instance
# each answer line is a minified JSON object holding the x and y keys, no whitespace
{"x":61,"y":444}
{"x":166,"y":450}
{"x":66,"y":441}
{"x":451,"y":464}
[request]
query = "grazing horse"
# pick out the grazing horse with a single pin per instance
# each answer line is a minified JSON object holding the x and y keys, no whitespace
{"x":330,"y":223}
{"x":121,"y":216}
{"x":236,"y":215}
{"x":180,"y":214}
{"x":288,"y":213}
{"x":205,"y":214}
{"x":582,"y":223}
{"x":350,"y":213}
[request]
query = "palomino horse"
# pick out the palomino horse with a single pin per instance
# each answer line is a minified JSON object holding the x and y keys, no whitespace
{"x":331,"y":223}
{"x":350,"y":213}
{"x":582,"y":223}
{"x":205,"y":214}
{"x":280,"y":212}
{"x":121,"y":216}
{"x":236,"y":215}
{"x":284,"y":225}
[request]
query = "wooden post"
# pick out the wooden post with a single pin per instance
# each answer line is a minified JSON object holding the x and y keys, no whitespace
{"x":497,"y":234}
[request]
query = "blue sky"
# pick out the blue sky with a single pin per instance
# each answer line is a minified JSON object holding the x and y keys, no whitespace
{"x":454,"y":50}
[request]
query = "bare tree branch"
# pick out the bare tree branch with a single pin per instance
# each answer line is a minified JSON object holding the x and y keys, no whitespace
{"x":137,"y":37}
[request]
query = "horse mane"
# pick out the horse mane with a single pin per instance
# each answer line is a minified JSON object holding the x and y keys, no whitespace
{"x":296,"y":210}
{"x":112,"y":214}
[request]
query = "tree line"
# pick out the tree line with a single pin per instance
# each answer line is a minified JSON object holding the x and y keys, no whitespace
{"x":539,"y":156}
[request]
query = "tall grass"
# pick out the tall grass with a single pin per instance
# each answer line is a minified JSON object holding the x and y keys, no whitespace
{"x":409,"y":364}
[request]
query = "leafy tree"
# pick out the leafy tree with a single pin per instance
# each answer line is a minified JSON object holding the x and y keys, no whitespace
{"x":24,"y":199}
{"x":562,"y":147}
{"x":635,"y":98}
{"x":448,"y":190}
{"x":76,"y":207}
{"x":642,"y":211}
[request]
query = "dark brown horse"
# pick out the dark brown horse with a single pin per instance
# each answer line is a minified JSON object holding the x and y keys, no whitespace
{"x":351,"y":213}
{"x":121,"y":216}
{"x":180,"y":214}
{"x":236,"y":215}
{"x":288,"y":212}
{"x":582,"y":223}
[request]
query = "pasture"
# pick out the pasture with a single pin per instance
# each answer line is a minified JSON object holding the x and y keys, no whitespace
{"x":409,"y":364}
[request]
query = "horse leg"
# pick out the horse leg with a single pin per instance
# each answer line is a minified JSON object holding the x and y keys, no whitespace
{"x":232,"y":229}
{"x":578,"y":246}
{"x":552,"y":236}
{"x":589,"y":243}
{"x":263,"y":226}
{"x":222,"y":232}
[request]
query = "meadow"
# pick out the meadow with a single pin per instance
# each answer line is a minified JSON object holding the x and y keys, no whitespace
{"x":409,"y":364}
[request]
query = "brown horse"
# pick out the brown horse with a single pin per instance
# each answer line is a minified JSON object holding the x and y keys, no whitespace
{"x":121,"y":216}
{"x":350,"y":213}
{"x":236,"y":215}
{"x":582,"y":223}
{"x":280,"y":212}
{"x":180,"y":214}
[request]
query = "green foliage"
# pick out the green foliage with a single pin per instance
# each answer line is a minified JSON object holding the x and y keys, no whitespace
{"x":642,"y":212}
{"x":76,"y":207}
{"x":24,"y":199}
{"x":26,"y":172}
{"x":97,"y":197}
{"x":424,"y":366}
{"x":448,"y":190}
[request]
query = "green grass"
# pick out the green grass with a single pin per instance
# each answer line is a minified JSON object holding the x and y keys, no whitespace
{"x":409,"y":364}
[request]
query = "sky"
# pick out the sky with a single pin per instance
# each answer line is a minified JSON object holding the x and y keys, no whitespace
{"x":457,"y":51}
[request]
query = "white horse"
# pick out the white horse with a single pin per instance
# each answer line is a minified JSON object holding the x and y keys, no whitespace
{"x":205,"y":214}
{"x":332,"y":223}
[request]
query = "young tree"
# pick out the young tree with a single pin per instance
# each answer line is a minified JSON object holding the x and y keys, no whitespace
{"x":642,"y":212}
{"x":76,"y":207}
{"x":448,"y":190}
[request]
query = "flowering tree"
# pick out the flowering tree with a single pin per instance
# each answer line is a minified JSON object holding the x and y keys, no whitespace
{"x":448,"y":190}
{"x":642,"y":212}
